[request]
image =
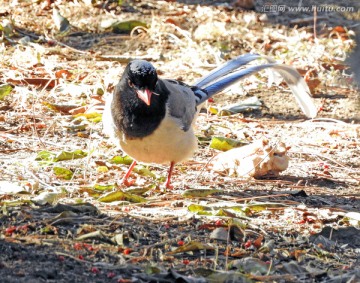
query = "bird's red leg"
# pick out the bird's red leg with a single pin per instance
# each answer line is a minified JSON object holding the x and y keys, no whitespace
{"x":168,"y":180}
{"x":125,"y":179}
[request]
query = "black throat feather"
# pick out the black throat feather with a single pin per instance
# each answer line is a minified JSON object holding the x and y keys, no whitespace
{"x":132,"y":116}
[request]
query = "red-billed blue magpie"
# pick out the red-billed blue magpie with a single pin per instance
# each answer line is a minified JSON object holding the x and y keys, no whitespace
{"x":152,"y":119}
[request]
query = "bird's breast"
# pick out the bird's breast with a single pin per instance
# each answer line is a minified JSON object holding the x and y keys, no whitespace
{"x":168,"y":143}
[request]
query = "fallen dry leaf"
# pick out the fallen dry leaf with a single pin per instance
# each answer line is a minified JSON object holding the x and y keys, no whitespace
{"x":254,"y":160}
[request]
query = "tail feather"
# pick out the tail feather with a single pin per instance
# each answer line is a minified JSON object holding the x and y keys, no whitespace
{"x":299,"y":88}
{"x":223,"y":77}
{"x":232,"y":78}
{"x":227,"y":68}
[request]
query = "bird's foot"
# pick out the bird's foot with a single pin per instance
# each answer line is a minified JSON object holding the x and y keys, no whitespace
{"x":168,"y":186}
{"x":128,"y":183}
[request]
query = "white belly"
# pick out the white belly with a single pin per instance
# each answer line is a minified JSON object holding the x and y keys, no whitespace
{"x":168,"y":143}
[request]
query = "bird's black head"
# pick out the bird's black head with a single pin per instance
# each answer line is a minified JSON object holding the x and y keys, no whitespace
{"x":139,"y":103}
{"x":142,"y":79}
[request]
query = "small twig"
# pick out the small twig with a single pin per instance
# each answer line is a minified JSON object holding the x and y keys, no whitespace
{"x":16,"y":149}
{"x":261,"y":197}
{"x":73,"y":257}
{"x":124,"y":59}
{"x":329,"y":120}
{"x":315,"y":21}
{"x":334,"y":161}
{"x":40,"y":181}
{"x":273,"y":278}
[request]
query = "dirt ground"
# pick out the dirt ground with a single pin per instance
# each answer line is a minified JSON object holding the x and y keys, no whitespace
{"x":299,"y":226}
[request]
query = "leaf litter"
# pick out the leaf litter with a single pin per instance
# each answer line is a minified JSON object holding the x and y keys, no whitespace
{"x":64,"y":218}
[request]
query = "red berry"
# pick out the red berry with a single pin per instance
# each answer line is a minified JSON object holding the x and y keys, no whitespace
{"x":81,"y":257}
{"x":88,"y":247}
{"x":127,"y":251}
{"x":24,"y":228}
{"x":180,"y":243}
{"x":186,"y":261}
{"x":111,"y":274}
{"x":10,"y":230}
{"x":95,"y":270}
{"x":78,"y":246}
{"x":248,"y":244}
{"x":61,"y":258}
{"x":219,"y":222}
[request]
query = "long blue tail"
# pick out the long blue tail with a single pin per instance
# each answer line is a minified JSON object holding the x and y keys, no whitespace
{"x":229,"y":73}
{"x":225,"y":69}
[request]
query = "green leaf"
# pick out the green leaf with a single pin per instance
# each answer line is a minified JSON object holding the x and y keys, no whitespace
{"x":94,"y":117}
{"x":231,"y":211}
{"x":104,"y":187}
{"x":63,"y":173}
{"x":102,"y":169}
{"x":257,"y":207}
{"x":61,"y":156}
{"x":192,"y":246}
{"x":5,"y":90}
{"x":127,"y":160}
{"x":213,"y":110}
{"x":201,"y":209}
{"x":45,"y":155}
{"x":70,"y":155}
{"x":225,"y":144}
{"x":140,"y":190}
{"x":47,"y":230}
{"x":127,"y":26}
{"x":234,"y":211}
{"x":144,"y":171}
{"x":7,"y":28}
{"x":15,"y":203}
{"x":120,"y":195}
{"x":200,"y":192}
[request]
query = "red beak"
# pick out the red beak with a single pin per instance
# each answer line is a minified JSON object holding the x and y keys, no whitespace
{"x":144,"y":95}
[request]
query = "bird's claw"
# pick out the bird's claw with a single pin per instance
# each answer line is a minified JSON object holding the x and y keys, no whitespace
{"x":168,"y":186}
{"x":128,"y":183}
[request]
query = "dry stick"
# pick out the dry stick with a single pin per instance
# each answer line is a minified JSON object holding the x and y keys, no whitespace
{"x":328,"y":120}
{"x":260,"y":197}
{"x":315,"y":21}
{"x":73,"y":257}
{"x":16,"y":149}
{"x":227,"y":248}
{"x":33,"y":118}
{"x":333,"y":160}
{"x":40,"y":181}
{"x":268,"y":278}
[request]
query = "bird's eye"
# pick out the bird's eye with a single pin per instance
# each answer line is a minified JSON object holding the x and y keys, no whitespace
{"x":131,"y":84}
